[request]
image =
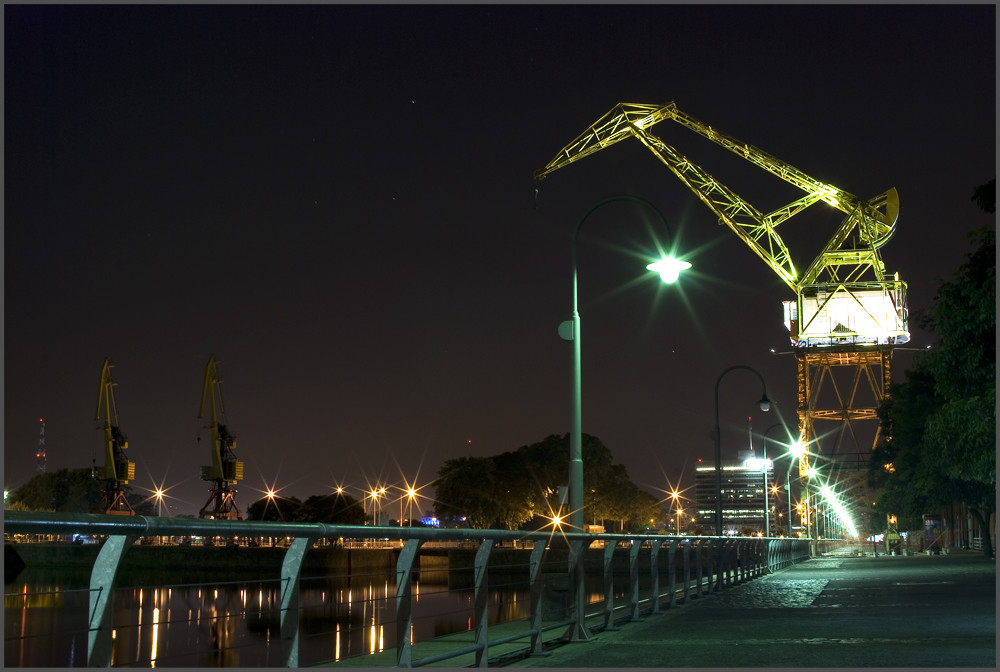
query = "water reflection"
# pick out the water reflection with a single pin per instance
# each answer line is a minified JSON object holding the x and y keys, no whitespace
{"x":236,"y":624}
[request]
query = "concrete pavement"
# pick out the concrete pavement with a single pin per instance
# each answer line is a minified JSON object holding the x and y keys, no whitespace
{"x":887,"y":611}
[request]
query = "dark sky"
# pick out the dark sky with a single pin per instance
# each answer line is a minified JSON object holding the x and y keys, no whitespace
{"x":338,"y":202}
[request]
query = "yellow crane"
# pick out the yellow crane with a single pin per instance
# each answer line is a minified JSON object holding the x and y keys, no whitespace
{"x":847,"y":312}
{"x":117,"y":470}
{"x":225,"y":471}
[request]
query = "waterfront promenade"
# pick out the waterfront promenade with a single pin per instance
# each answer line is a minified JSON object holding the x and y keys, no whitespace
{"x":887,"y":611}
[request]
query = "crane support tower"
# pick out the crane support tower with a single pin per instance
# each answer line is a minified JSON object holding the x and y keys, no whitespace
{"x":117,"y":470}
{"x":847,"y":313}
{"x":225,"y":471}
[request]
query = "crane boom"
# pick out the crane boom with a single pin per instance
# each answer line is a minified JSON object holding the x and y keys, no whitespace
{"x":846,"y":277}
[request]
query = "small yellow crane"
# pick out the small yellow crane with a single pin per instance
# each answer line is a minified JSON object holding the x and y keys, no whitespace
{"x":225,"y":471}
{"x":117,"y":470}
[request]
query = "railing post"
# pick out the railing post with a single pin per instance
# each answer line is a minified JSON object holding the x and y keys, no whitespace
{"x":609,"y":586}
{"x":291,"y":570}
{"x":633,"y":578}
{"x":481,"y":601}
{"x":734,"y":562}
{"x":726,"y":563}
{"x":102,"y":579}
{"x":718,"y":552}
{"x":535,"y":588}
{"x":672,"y":571}
{"x":654,"y":572}
{"x":687,"y":570}
{"x":404,"y":602}
{"x":699,"y":562}
{"x":577,"y":631}
{"x":741,"y":561}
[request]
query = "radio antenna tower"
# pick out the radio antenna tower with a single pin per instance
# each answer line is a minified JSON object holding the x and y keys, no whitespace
{"x":40,"y":461}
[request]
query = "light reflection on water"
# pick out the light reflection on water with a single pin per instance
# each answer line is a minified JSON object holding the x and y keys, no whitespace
{"x":237,"y":624}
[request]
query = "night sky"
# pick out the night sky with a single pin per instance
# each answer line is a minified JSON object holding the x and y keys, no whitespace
{"x":338,"y":203}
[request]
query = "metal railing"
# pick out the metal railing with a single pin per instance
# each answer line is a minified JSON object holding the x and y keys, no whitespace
{"x":703,"y":564}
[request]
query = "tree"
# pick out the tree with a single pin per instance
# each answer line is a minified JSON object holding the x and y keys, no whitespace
{"x":509,"y":490}
{"x":275,"y":508}
{"x":465,"y":489}
{"x":70,"y":491}
{"x":335,"y":509}
{"x":940,"y":425}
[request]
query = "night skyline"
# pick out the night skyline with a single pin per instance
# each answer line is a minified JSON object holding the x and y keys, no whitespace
{"x":337,"y":202}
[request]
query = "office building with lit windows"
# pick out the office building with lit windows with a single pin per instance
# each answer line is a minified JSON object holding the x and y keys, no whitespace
{"x":742,"y":495}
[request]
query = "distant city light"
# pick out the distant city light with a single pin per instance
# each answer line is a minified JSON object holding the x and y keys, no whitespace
{"x":757,"y":464}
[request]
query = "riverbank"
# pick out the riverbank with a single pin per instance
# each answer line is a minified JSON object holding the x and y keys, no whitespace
{"x":154,"y":564}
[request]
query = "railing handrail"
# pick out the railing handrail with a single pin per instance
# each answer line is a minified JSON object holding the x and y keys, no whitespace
{"x":43,"y":522}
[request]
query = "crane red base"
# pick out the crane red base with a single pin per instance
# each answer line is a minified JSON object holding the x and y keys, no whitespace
{"x":225,"y":505}
{"x":113,"y":501}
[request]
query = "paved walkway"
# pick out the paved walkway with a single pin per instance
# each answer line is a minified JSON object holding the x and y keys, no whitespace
{"x":889,"y":611}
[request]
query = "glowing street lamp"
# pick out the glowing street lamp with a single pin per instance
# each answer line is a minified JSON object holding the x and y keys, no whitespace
{"x":374,"y":496}
{"x":669,"y":269}
{"x":570,"y":331}
{"x":411,"y":495}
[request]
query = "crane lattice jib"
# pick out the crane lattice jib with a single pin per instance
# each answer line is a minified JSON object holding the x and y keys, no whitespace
{"x":741,"y":217}
{"x":757,"y":230}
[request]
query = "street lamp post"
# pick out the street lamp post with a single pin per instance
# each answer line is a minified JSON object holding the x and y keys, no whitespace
{"x":676,"y":496}
{"x":411,"y":495}
{"x":570,"y":330}
{"x":765,"y":405}
{"x":767,"y":524}
{"x":159,"y":508}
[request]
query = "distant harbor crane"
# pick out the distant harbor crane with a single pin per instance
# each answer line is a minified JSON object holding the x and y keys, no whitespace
{"x":117,"y":470}
{"x":225,"y":471}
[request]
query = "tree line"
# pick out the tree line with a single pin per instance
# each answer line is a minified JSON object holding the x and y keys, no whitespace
{"x":939,"y":425}
{"x":520,"y":489}
{"x":71,"y":491}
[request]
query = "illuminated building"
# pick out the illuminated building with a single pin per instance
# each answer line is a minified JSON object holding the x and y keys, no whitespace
{"x":742,"y":495}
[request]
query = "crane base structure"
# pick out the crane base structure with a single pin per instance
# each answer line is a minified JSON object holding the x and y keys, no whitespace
{"x":839,"y":392}
{"x":840,"y":376}
{"x":113,"y":502}
{"x":222,"y":503}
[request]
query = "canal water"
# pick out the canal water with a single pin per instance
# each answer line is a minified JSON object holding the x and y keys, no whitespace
{"x":234,"y":624}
